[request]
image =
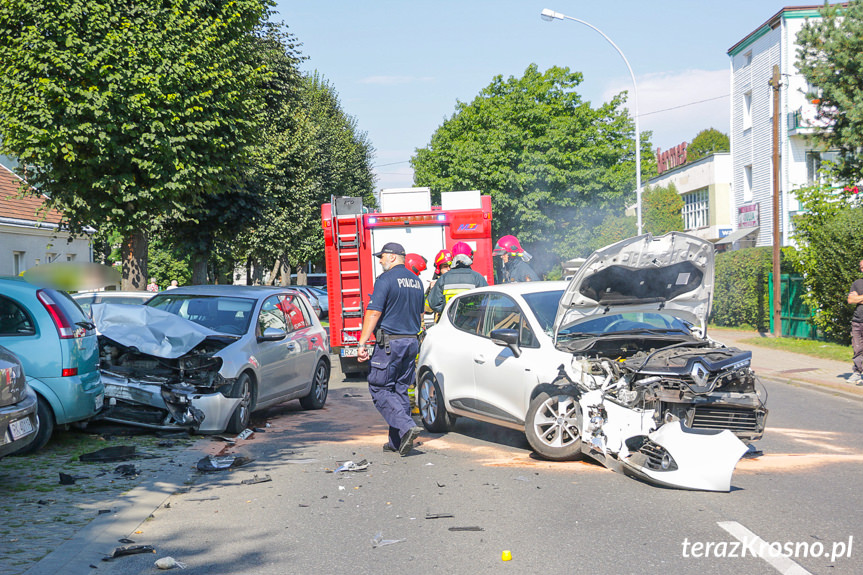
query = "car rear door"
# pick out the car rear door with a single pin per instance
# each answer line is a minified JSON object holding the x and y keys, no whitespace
{"x":461,"y":336}
{"x":305,"y":340}
{"x":503,"y":381}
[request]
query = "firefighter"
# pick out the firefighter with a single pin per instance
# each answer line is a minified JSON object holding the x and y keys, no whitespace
{"x":442,"y":264}
{"x":515,"y":268}
{"x":458,"y":279}
{"x":393,"y":314}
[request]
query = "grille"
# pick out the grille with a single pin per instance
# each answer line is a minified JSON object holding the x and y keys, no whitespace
{"x":653,"y":455}
{"x":735,"y":419}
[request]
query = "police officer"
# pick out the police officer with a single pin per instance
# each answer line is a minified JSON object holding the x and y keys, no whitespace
{"x":395,"y":310}
{"x":515,"y":268}
{"x":459,"y":278}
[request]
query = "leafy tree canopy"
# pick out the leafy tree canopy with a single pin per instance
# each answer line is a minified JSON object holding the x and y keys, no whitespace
{"x":123,"y":113}
{"x":830,"y":57}
{"x":553,"y":164}
{"x":662,"y":210}
{"x":706,"y":142}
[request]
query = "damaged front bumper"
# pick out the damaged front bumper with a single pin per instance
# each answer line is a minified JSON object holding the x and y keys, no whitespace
{"x":157,"y":405}
{"x":684,"y":458}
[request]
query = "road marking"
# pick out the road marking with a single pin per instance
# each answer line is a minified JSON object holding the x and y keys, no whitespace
{"x":757,"y":546}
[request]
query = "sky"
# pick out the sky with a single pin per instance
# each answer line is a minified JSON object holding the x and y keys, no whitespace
{"x":400,"y":66}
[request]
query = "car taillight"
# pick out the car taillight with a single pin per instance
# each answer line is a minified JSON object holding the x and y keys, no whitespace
{"x":69,"y":371}
{"x":61,"y":322}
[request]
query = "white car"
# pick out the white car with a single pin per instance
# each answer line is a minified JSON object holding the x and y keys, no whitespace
{"x":614,"y":364}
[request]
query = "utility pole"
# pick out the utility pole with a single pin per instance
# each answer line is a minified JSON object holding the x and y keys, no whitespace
{"x":777,"y":239}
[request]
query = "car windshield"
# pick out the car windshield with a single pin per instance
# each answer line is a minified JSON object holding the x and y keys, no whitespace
{"x":220,"y":313}
{"x":544,"y":307}
{"x":630,"y":322}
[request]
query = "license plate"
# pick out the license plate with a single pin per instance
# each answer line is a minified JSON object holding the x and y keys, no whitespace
{"x":349,"y":351}
{"x":20,"y":428}
{"x":99,"y":401}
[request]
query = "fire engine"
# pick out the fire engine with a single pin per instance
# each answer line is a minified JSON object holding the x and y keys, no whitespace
{"x":352,"y":234}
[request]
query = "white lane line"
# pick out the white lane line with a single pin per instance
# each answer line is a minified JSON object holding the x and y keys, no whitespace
{"x":760,"y":548}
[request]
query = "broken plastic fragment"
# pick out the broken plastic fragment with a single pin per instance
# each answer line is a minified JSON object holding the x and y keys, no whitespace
{"x":130,"y":550}
{"x":351,"y":466}
{"x":471,"y":528}
{"x":126,"y":470}
{"x":438,"y":515}
{"x":245,"y":434}
{"x":379,"y":541}
{"x":108,"y":454}
{"x":256,"y":479}
{"x":211,"y":463}
{"x":168,"y":563}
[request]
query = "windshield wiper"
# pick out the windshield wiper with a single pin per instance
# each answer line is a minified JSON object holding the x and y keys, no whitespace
{"x":86,"y":324}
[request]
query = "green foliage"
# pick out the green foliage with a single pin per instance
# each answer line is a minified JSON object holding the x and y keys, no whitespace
{"x":125,"y":112}
{"x":706,"y":142}
{"x":167,"y":261}
{"x":613,"y":229}
{"x":553,"y":165}
{"x":829,"y":234}
{"x":830,"y":57}
{"x":661,"y":210}
{"x":740,"y":295}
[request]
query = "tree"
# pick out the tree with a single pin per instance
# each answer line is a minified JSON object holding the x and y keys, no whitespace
{"x":830,"y":57}
{"x":313,"y":150}
{"x":553,"y":165}
{"x":662,"y":209}
{"x":127,"y":113}
{"x":829,"y":234}
{"x":707,"y":142}
{"x":613,"y":229}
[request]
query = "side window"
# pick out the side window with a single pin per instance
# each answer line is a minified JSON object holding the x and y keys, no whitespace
{"x":503,"y":313}
{"x":271,"y":316}
{"x":295,"y":311}
{"x":14,"y":319}
{"x":467,"y":314}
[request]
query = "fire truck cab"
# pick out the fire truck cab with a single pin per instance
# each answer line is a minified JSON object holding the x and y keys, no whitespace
{"x":352,"y":234}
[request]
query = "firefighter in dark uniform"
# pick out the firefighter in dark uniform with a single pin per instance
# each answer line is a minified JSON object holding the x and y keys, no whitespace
{"x":459,"y":278}
{"x":515,"y":268}
{"x":396,"y":311}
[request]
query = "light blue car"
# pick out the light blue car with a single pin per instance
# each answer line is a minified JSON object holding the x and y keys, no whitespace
{"x":57,"y":345}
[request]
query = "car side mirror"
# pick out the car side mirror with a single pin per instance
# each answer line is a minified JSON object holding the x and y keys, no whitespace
{"x":273,"y":334}
{"x":507,"y":338}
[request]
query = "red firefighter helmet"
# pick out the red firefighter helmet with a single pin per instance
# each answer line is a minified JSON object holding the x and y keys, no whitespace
{"x":507,"y":245}
{"x":443,"y":258}
{"x":461,"y":248}
{"x":415,"y":262}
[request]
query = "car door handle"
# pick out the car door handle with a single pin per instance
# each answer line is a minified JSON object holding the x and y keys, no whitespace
{"x":292,"y":346}
{"x":479,"y":358}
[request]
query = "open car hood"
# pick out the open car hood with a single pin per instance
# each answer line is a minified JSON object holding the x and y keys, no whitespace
{"x":672,"y":273}
{"x":150,"y":330}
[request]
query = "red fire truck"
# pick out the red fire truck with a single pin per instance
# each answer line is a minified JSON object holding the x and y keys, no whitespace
{"x":352,"y":234}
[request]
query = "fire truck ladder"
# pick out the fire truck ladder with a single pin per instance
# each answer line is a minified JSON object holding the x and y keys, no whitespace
{"x":346,"y":231}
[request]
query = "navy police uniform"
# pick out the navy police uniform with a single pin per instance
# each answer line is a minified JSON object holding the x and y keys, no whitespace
{"x":399,"y":296}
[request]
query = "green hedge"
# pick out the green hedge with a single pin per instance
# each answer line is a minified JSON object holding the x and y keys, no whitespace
{"x":740,"y":295}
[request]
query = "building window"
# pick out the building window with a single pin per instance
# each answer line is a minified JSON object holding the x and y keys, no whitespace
{"x":70,"y":257}
{"x":816,"y":164}
{"x":696,"y":208}
{"x":747,"y":183}
{"x":17,"y":263}
{"x":50,"y":257}
{"x":747,"y":59}
{"x":747,"y":110}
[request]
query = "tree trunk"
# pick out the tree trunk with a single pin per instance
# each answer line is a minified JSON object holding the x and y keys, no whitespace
{"x":134,"y":254}
{"x":248,"y":271}
{"x":274,"y":273}
{"x":199,"y":269}
{"x":286,"y":274}
{"x":302,"y":277}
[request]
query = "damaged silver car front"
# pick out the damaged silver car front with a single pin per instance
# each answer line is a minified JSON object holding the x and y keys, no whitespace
{"x":161,"y":371}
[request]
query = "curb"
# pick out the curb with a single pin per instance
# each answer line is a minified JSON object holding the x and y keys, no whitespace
{"x":95,"y":541}
{"x":819,"y":387}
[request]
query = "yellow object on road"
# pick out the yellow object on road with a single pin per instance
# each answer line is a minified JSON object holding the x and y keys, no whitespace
{"x":506,"y":556}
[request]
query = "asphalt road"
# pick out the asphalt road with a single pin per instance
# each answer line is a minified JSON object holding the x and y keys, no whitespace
{"x":460,"y":500}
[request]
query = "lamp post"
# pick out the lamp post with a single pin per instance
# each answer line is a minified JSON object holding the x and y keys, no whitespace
{"x":550,"y":15}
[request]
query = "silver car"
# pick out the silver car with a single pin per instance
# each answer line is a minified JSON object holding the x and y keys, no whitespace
{"x":203,"y":358}
{"x":87,"y":299}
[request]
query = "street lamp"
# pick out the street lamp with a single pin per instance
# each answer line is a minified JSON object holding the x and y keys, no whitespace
{"x":550,"y":15}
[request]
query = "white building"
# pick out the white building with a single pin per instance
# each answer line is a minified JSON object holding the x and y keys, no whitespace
{"x":752,"y":62}
{"x":29,"y":235}
{"x":705,"y":186}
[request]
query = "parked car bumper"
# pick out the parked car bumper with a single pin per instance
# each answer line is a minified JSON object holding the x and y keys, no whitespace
{"x":18,"y":424}
{"x":72,"y":399}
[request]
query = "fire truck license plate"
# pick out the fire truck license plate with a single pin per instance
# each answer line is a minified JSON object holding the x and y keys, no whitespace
{"x":349,"y":351}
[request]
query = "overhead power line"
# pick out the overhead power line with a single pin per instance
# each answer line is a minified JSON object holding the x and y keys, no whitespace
{"x":684,"y":105}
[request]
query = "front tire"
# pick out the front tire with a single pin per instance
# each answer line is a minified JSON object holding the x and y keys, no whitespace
{"x":244,"y":389}
{"x":551,"y":426}
{"x":430,"y":401}
{"x":317,"y":397}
